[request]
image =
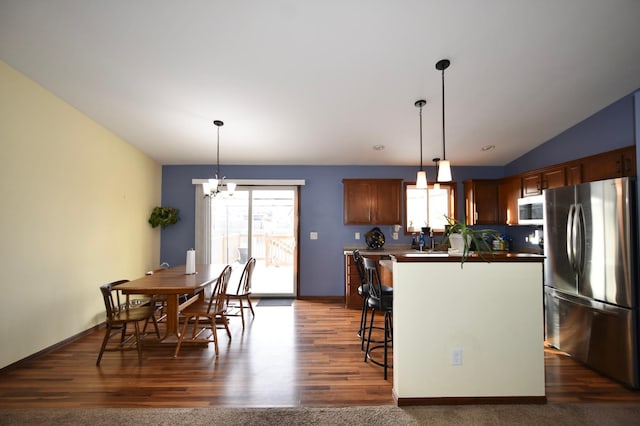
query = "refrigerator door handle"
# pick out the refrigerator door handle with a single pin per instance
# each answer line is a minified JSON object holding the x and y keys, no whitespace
{"x":570,"y":246}
{"x":579,"y":239}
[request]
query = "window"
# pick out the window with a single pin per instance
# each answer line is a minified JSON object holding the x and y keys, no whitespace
{"x":428,"y":207}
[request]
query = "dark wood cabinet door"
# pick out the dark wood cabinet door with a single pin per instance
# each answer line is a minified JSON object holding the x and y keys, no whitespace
{"x":553,"y":177}
{"x":372,"y":201}
{"x":388,"y":203}
{"x":574,"y":173}
{"x":609,"y":165}
{"x":509,"y":190}
{"x":357,"y":202}
{"x":531,"y":184}
{"x":352,"y":282}
{"x":481,"y":202}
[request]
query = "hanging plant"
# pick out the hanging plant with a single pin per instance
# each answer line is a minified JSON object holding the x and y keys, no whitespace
{"x":164,"y":216}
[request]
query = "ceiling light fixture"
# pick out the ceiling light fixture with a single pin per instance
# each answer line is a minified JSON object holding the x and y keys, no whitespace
{"x":214,"y":186}
{"x":444,"y":171}
{"x":421,"y":177}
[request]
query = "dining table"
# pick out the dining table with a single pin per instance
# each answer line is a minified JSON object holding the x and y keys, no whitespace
{"x":174,"y":283}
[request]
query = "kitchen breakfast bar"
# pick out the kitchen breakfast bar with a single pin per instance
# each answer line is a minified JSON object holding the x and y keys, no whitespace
{"x":467,"y":334}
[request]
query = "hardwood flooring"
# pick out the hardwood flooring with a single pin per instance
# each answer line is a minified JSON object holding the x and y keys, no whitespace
{"x":305,"y":355}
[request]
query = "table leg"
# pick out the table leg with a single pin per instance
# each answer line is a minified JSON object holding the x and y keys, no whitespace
{"x":172,"y":316}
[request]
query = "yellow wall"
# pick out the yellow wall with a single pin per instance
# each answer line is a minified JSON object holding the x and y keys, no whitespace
{"x":75,"y":200}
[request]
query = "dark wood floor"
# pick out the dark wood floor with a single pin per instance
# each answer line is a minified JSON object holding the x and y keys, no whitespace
{"x":306,"y":355}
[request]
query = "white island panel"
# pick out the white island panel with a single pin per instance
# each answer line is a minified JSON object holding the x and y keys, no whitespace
{"x":492,"y":312}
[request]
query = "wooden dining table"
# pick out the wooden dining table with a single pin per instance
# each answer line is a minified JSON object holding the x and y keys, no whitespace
{"x":173,"y":283}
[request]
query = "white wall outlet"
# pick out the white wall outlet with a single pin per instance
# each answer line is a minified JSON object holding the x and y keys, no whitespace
{"x":313,"y":236}
{"x":394,"y":235}
{"x":456,"y":356}
{"x":357,"y":235}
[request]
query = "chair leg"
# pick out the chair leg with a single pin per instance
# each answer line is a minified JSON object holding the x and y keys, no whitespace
{"x":386,"y":342}
{"x":363,"y":322}
{"x":214,"y":333}
{"x":366,"y":353}
{"x":226,"y":325}
{"x":182,"y":333}
{"x":241,"y":311}
{"x":136,"y":327}
{"x":104,"y":343}
{"x":253,"y":314}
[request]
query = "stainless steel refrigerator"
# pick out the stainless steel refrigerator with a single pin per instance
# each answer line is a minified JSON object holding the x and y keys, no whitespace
{"x":591,"y":302}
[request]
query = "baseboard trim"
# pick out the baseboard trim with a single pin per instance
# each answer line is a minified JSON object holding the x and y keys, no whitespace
{"x":484,"y":400}
{"x":327,"y":299}
{"x":24,"y":361}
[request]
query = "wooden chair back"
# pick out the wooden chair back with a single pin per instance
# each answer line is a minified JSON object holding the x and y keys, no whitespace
{"x":244,"y":285}
{"x":218,"y":299}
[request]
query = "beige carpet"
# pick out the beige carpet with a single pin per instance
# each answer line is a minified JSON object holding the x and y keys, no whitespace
{"x":556,"y":414}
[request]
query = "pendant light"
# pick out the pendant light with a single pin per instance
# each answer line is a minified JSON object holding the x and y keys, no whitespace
{"x":214,"y":186}
{"x":436,"y":185}
{"x":421,"y":178}
{"x":444,"y":170}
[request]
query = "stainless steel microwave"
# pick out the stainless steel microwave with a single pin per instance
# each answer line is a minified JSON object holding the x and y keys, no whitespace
{"x":531,"y":210}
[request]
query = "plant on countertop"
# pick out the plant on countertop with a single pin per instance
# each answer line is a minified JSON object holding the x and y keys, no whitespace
{"x":469,"y":235}
{"x":164,"y":216}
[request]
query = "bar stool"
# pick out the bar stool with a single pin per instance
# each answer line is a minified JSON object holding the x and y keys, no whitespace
{"x":378,"y":301}
{"x":363,"y":290}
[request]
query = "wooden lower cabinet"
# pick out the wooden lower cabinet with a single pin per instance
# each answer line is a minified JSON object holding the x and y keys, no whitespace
{"x":352,"y":280}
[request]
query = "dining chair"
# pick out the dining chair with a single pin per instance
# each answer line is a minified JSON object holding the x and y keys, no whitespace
{"x":211,"y":311}
{"x":121,"y":313}
{"x":242,"y":294}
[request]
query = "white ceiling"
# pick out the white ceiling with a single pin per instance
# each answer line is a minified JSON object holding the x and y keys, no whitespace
{"x":322,"y":82}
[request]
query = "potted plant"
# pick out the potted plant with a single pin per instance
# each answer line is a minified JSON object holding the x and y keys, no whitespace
{"x":164,"y":216}
{"x":461,"y":237}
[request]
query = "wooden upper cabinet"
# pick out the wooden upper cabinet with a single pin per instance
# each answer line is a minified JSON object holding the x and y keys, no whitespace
{"x":509,"y":190}
{"x":608,"y":165}
{"x":531,"y":184}
{"x":574,"y":173}
{"x":554,"y":177}
{"x":481,"y":201}
{"x":551,"y":177}
{"x":372,"y":201}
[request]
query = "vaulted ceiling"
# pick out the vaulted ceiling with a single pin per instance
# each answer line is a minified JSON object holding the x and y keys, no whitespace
{"x":323,"y":82}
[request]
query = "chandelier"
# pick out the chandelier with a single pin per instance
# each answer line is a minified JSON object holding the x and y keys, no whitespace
{"x":214,"y":186}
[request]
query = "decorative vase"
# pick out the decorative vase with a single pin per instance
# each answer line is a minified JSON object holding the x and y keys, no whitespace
{"x":457,"y":242}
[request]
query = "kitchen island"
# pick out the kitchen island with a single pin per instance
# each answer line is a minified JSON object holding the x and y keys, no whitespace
{"x":467,"y":334}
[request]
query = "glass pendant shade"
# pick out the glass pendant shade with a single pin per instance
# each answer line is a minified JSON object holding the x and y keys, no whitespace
{"x":231,"y":187}
{"x":421,"y":180}
{"x":444,"y":171}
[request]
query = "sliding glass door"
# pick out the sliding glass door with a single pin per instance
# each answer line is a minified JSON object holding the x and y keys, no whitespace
{"x":258,"y":222}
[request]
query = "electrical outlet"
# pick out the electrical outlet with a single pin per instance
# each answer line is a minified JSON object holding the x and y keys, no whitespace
{"x":394,"y":235}
{"x":313,"y":235}
{"x":357,"y":235}
{"x":456,"y":356}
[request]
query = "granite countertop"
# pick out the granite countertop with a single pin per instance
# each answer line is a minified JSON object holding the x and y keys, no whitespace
{"x":404,"y":253}
{"x":386,"y":250}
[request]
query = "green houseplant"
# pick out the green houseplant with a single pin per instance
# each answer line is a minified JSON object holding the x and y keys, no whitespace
{"x":469,"y":236}
{"x":164,"y":216}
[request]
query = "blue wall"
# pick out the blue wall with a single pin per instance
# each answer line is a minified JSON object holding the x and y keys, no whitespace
{"x":321,"y":199}
{"x":321,"y":211}
{"x":608,"y":129}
